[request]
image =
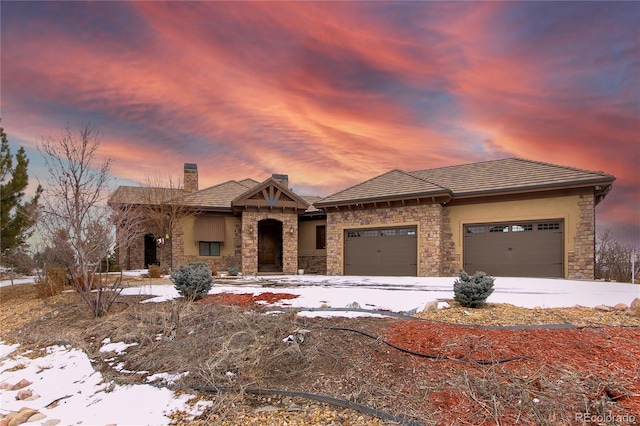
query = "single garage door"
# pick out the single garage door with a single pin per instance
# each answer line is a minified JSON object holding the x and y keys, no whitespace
{"x":382,"y":251}
{"x":515,"y":249}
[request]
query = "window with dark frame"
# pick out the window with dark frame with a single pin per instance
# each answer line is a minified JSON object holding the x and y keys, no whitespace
{"x":548,"y":226}
{"x":209,"y":248}
{"x":321,"y":237}
{"x":499,"y":228}
{"x":475,"y":229}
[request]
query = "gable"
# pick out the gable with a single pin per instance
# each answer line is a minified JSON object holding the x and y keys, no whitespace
{"x":270,"y":195}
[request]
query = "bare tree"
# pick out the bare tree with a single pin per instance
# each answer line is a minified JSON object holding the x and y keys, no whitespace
{"x":164,"y":209}
{"x":615,"y":260}
{"x":128,"y":220}
{"x":76,"y":202}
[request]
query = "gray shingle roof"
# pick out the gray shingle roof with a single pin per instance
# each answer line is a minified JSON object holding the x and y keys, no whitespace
{"x":483,"y":178}
{"x":511,"y":174}
{"x":216,"y":197}
{"x":391,"y":185}
{"x":311,"y":199}
{"x":249,"y":183}
{"x":219,"y":196}
{"x":143,"y":195}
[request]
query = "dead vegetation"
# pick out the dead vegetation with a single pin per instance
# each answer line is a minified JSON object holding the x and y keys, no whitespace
{"x":566,"y":373}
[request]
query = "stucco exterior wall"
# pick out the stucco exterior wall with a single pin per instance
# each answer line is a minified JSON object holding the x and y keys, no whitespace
{"x":186,"y":248}
{"x":427,"y":218}
{"x":250,"y":240}
{"x":576,"y":211}
{"x":310,"y":259}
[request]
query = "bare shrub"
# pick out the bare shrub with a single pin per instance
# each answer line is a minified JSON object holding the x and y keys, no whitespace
{"x":52,"y":283}
{"x":154,"y":271}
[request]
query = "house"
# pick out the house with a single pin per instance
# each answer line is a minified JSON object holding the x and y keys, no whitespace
{"x":508,"y":217}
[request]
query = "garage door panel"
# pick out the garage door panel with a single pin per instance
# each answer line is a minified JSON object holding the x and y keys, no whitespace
{"x":531,"y":249}
{"x":381,"y":251}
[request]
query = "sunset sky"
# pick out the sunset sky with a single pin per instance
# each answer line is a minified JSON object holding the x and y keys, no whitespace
{"x":331,"y":93}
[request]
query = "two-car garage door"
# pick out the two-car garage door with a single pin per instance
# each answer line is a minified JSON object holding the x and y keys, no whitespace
{"x":515,"y":249}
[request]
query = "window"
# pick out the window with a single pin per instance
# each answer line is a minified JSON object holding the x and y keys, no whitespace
{"x":548,"y":226}
{"x":388,"y":232}
{"x":407,"y":231}
{"x":208,"y":248}
{"x":353,"y":234}
{"x":321,"y":237}
{"x":499,"y":228}
{"x":522,"y":228}
{"x":475,"y":229}
{"x":370,"y":233}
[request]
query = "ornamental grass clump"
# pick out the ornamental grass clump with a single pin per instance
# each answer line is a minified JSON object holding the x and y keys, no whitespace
{"x":472,"y":291}
{"x":193,"y":280}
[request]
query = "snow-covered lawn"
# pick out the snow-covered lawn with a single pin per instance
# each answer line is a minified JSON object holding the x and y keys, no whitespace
{"x":404,"y":294}
{"x":65,"y":375}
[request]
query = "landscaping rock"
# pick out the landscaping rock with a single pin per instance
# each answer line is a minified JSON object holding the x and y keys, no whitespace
{"x":431,"y":306}
{"x":603,"y":308}
{"x":24,"y":394}
{"x":21,"y":384}
{"x":621,"y":307}
{"x":37,"y":417}
{"x":15,"y":419}
{"x":634,"y":308}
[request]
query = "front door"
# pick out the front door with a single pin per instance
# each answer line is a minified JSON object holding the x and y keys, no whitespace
{"x":269,"y":246}
{"x":150,"y":251}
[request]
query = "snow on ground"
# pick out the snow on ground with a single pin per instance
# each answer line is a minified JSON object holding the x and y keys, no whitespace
{"x":66,"y":388}
{"x":66,"y":375}
{"x":405,"y":294}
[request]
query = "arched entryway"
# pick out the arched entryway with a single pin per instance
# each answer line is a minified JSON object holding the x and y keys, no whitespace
{"x":269,"y":245}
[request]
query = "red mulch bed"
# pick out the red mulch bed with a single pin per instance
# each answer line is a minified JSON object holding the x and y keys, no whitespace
{"x":608,"y":356}
{"x":246,"y":299}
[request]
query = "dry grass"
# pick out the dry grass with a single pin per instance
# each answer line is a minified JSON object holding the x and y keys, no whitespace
{"x":231,"y":346}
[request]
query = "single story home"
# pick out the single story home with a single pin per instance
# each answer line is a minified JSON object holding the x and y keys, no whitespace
{"x":508,"y":217}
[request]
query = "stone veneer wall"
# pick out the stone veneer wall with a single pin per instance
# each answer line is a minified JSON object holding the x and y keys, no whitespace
{"x":451,"y":264}
{"x":581,"y":261}
{"x":250,"y":240}
{"x":216,"y":263}
{"x":313,"y":264}
{"x":133,"y":257}
{"x":429,"y":219}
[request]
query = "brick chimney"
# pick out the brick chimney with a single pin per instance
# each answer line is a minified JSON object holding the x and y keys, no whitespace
{"x":190,"y":177}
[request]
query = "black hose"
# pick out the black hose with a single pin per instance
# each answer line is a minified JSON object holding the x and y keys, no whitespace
{"x":423,"y":355}
{"x":343,"y":403}
{"x":402,"y":315}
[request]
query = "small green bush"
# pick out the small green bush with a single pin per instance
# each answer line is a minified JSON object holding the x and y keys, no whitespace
{"x":193,"y":280}
{"x":473,"y":291}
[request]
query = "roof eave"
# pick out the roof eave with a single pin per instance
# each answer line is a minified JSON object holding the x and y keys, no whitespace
{"x":393,"y":198}
{"x":598,"y":185}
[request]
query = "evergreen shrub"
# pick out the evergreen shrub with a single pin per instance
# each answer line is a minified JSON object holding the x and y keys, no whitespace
{"x":193,"y":280}
{"x":473,"y":291}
